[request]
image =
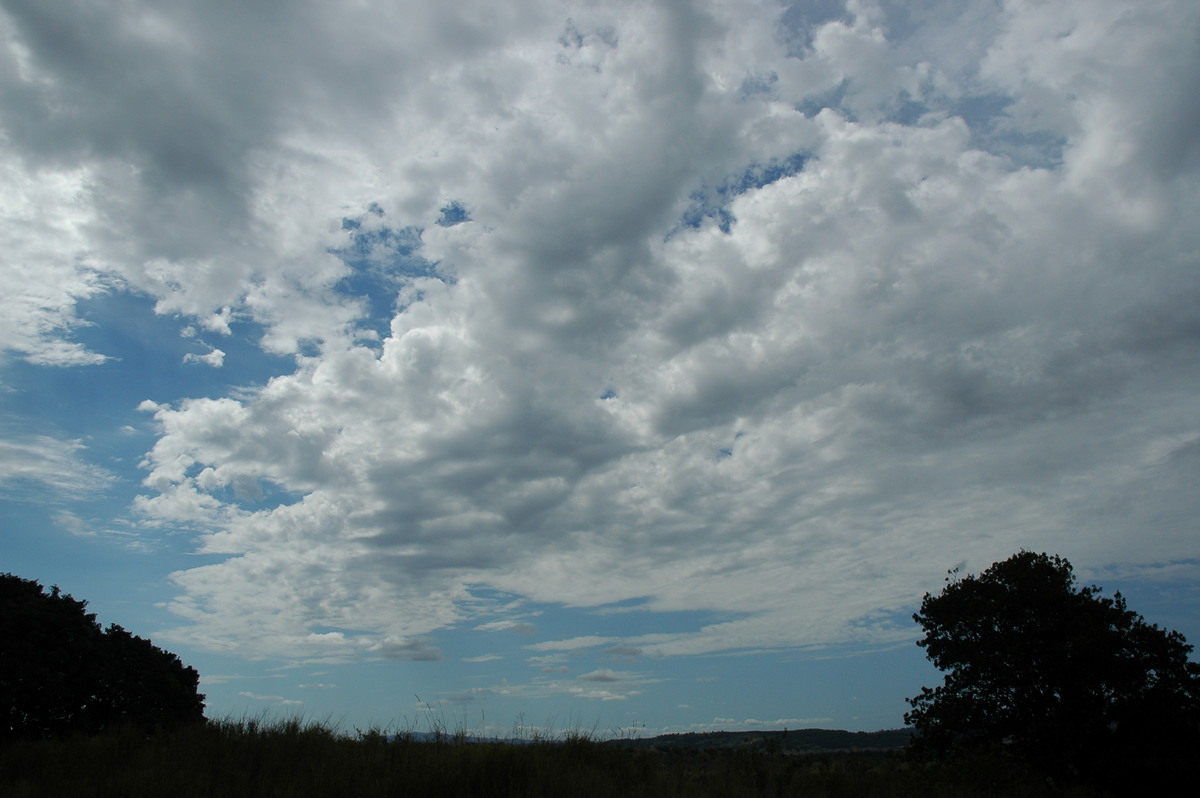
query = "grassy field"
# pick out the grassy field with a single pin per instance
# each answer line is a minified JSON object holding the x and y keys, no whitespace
{"x":293,"y":758}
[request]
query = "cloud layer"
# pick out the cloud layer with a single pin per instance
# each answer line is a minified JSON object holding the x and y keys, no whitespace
{"x":772,"y":311}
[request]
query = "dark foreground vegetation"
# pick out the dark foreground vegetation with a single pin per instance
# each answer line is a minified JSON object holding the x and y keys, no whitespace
{"x":1050,"y":688}
{"x":1058,"y":676}
{"x":62,"y":674}
{"x":291,"y":758}
{"x":795,"y":741}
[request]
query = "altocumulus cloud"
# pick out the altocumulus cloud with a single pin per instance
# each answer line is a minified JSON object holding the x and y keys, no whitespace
{"x":771,"y":310}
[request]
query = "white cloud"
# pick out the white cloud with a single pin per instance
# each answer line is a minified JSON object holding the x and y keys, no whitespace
{"x":33,"y":464}
{"x":406,"y":649}
{"x":624,"y":651}
{"x":261,"y":697}
{"x":605,"y":675}
{"x":221,"y":678}
{"x":749,"y":724}
{"x":587,"y":641}
{"x":46,"y":268}
{"x":86,"y":528}
{"x":598,"y":685}
{"x":277,"y":700}
{"x":215,"y":358}
{"x":507,"y":626}
{"x":938,"y":305}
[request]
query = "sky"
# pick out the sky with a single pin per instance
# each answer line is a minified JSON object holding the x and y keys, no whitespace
{"x":632,"y":367}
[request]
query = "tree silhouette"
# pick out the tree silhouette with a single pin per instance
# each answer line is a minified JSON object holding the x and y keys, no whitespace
{"x":1061,"y":676}
{"x":59,"y":673}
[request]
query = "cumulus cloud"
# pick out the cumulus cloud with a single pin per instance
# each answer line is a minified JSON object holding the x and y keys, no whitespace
{"x":771,"y":312}
{"x":214,"y":358}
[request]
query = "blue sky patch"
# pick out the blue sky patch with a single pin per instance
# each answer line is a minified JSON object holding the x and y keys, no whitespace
{"x":756,"y":86}
{"x":452,"y":214}
{"x":381,"y":260}
{"x":712,"y":202}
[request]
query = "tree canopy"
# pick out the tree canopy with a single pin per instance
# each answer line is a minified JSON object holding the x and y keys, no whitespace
{"x":1058,"y":674}
{"x":60,"y":673}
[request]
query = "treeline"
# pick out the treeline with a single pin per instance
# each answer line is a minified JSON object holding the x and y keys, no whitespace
{"x":291,"y":758}
{"x":1050,"y":688}
{"x":788,"y":741}
{"x":61,"y":674}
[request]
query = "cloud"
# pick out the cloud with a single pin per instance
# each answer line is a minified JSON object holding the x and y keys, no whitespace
{"x":277,"y":700}
{"x":220,"y":678}
{"x":550,"y":663}
{"x":603,"y":684}
{"x":214,"y":358}
{"x":766,"y":314}
{"x":48,"y":270}
{"x":83,"y":528}
{"x":417,"y":649}
{"x":515,"y":627}
{"x":30,"y":465}
{"x":603,"y":675}
{"x":570,"y":644}
{"x":749,"y":724}
{"x":623,"y":651}
{"x":261,"y":697}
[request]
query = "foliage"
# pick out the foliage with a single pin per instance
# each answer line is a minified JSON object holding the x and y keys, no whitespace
{"x":1056,"y":674}
{"x":293,"y":758}
{"x":61,"y":674}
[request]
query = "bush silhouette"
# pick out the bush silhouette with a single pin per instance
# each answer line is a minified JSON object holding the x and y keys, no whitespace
{"x":1060,"y":676}
{"x":60,"y":674}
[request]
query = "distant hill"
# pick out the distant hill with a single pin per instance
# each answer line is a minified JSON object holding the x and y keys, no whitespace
{"x":789,"y":741}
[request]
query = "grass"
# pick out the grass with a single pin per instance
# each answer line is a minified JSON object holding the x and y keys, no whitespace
{"x":256,"y":757}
